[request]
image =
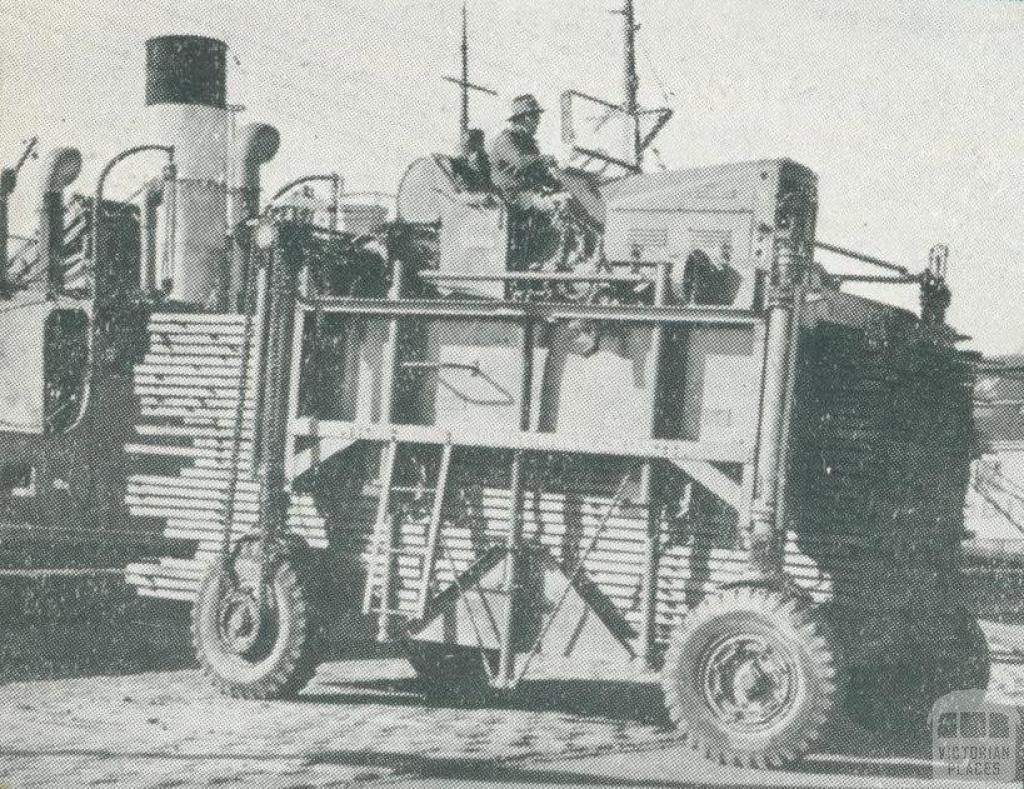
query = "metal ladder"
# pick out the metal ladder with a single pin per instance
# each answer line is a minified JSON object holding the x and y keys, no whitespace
{"x":388,"y":541}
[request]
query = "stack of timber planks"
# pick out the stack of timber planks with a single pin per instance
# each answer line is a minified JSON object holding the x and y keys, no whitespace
{"x":882,"y":446}
{"x":563,"y":514}
{"x":188,"y":390}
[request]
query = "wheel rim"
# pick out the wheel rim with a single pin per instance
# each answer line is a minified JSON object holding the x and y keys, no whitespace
{"x":239,"y":621}
{"x":749,"y":681}
{"x":244,"y":627}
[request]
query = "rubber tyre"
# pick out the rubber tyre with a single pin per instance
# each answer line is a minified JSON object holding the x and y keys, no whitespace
{"x":790,"y":629}
{"x":895,"y":701}
{"x":967,"y":664}
{"x":285,"y":656}
{"x":451,"y":676}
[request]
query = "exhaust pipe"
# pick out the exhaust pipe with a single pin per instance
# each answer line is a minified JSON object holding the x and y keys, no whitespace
{"x":60,"y":169}
{"x":257,"y":144}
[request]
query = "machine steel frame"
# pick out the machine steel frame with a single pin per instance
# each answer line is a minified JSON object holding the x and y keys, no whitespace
{"x":696,"y":459}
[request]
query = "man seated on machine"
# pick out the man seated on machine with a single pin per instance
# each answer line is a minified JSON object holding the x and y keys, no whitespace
{"x":545,"y":220}
{"x":522,"y":173}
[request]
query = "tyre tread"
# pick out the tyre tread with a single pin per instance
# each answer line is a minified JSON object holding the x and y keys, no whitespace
{"x":796,"y":614}
{"x":297,"y":664}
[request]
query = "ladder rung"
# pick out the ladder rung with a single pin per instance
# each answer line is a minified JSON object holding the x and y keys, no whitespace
{"x":391,"y":611}
{"x":373,"y":487}
{"x":401,"y":551}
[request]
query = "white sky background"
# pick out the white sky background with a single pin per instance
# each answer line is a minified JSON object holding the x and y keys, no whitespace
{"x":910,"y":112}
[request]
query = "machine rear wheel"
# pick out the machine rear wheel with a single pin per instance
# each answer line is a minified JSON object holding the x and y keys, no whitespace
{"x":450,"y":675}
{"x":895,"y":700}
{"x":248,"y":650}
{"x":751,"y":676}
{"x":966,"y":664}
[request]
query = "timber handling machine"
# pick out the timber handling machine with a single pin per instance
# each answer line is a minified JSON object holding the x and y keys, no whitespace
{"x":665,"y":439}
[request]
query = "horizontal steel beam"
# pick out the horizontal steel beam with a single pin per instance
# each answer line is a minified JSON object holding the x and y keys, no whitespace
{"x":731,"y":452}
{"x":510,"y":311}
{"x":531,"y":276}
{"x":853,"y":255}
{"x":874,"y":279}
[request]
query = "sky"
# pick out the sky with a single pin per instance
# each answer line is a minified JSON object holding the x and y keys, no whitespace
{"x":909,"y":112}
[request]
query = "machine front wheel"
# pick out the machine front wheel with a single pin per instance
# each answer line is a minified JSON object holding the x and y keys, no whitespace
{"x":252,"y":650}
{"x":751,"y":676}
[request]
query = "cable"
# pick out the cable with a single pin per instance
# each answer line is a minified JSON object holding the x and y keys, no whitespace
{"x":665,"y":93}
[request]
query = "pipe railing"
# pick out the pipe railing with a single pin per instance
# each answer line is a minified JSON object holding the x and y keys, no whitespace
{"x":97,"y":212}
{"x":332,"y":178}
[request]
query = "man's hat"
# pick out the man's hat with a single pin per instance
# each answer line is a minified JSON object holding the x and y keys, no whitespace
{"x":526,"y":104}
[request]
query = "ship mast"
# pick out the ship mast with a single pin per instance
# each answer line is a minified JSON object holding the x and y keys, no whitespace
{"x":464,"y":117}
{"x":632,"y":84}
{"x":464,"y":84}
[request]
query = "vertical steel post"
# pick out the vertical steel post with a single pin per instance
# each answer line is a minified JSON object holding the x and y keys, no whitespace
{"x":8,"y":180}
{"x":632,"y":84}
{"x":513,"y":546}
{"x":389,"y":362}
{"x":464,"y":114}
{"x":295,"y":360}
{"x":170,"y":227}
{"x":762,"y":539}
{"x":151,"y":200}
{"x":334,"y":210}
{"x":384,"y":556}
{"x":649,"y":602}
{"x":51,"y":238}
{"x":781,"y":527}
{"x":388,"y":374}
{"x":526,"y":388}
{"x":277,"y":358}
{"x":514,"y":541}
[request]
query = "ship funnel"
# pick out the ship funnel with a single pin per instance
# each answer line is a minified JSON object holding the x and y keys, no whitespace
{"x":186,"y":90}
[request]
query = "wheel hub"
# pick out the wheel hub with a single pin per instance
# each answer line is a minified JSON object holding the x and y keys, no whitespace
{"x":748,"y":682}
{"x":239,"y":620}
